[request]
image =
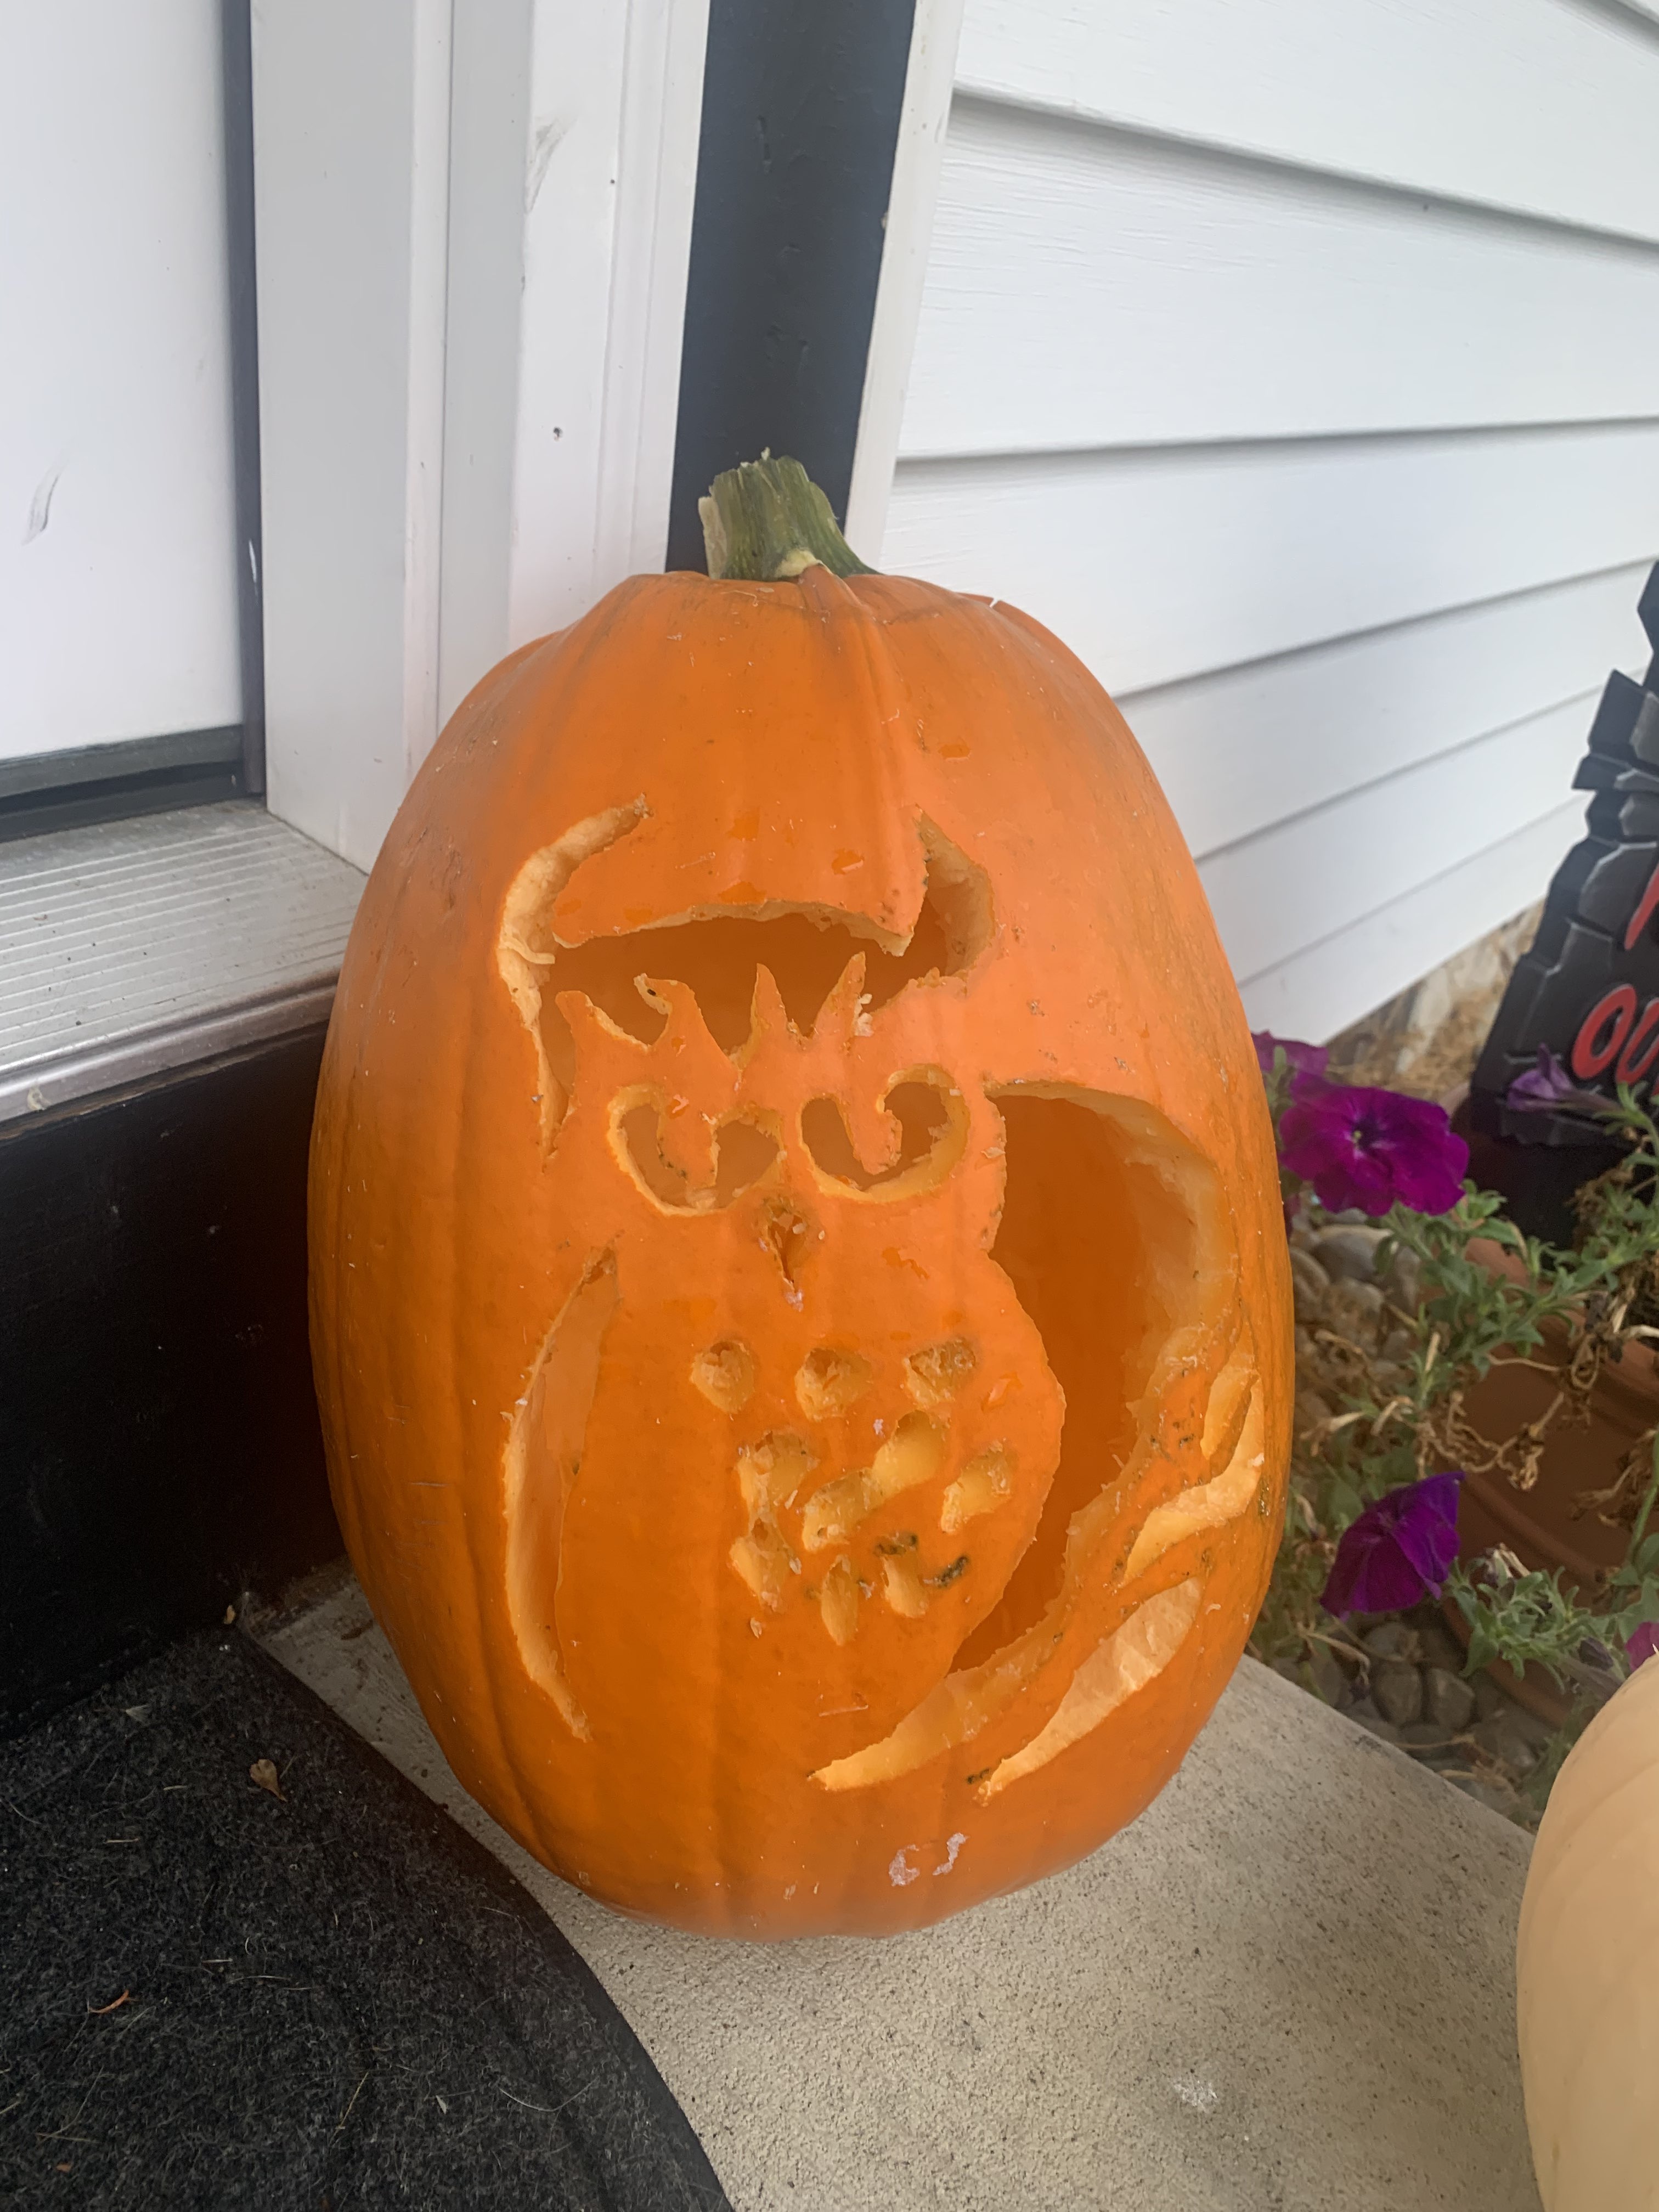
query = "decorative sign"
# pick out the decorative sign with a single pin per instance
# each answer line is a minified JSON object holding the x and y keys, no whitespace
{"x":1588,"y":989}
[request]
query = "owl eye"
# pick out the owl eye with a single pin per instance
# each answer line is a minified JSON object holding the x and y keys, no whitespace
{"x":743,"y":1152}
{"x":931,"y":1116}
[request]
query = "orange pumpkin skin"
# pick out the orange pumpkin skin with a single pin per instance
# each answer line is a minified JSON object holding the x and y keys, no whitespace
{"x":793,"y":1516}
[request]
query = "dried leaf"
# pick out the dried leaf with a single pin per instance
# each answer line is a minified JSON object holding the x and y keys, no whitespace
{"x":264,"y":1773}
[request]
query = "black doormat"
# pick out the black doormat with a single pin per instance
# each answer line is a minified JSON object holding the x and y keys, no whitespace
{"x":244,"y":1963}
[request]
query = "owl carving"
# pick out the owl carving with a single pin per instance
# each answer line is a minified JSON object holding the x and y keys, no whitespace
{"x":800,"y":1314}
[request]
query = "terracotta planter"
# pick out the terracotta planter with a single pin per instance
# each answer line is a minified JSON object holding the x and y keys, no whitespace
{"x":1540,"y":1525}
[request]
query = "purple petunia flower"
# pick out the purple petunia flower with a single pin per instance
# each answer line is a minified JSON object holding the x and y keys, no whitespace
{"x":1548,"y":1087}
{"x":1367,"y":1148}
{"x":1642,"y":1643}
{"x":1305,"y":1059}
{"x":1400,"y":1550}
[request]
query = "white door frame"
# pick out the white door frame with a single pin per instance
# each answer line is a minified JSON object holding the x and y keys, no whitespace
{"x":473,"y":220}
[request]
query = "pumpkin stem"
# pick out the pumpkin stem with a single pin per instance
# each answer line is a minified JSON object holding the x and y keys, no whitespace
{"x":766,"y":520}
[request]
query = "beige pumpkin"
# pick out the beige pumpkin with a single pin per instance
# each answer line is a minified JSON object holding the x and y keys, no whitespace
{"x":1588,"y":1967}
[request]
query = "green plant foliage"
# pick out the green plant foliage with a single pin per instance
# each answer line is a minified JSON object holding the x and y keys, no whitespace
{"x":1387,"y":1408}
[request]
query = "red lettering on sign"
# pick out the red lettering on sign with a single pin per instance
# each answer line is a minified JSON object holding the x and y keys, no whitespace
{"x":1646,"y":907}
{"x":1602,"y":1033}
{"x":1634,"y":1062}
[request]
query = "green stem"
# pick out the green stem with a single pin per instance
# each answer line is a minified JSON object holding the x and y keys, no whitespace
{"x":766,"y":520}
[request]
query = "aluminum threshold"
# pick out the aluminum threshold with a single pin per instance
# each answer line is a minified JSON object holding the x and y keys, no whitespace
{"x":129,"y":949}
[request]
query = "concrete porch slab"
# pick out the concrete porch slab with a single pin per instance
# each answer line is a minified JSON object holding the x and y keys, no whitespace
{"x":1289,"y":1987}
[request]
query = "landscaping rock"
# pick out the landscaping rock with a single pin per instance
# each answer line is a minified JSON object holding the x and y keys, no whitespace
{"x":1448,"y":1700}
{"x":1536,"y":1732}
{"x":1311,"y":1408}
{"x":1310,"y":1286}
{"x":1402,"y":1285}
{"x":1329,"y":1682}
{"x":1487,"y":1792}
{"x":1437,"y":1645}
{"x":1397,"y":1692}
{"x":1348,"y":1252}
{"x":1506,"y":1741}
{"x":1366,"y":1714}
{"x":1489,"y":1698}
{"x":1430,"y":1743}
{"x":1354,"y":1308}
{"x":1391,"y":1639}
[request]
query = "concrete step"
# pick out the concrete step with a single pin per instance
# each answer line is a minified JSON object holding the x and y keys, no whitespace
{"x":1289,"y":1985}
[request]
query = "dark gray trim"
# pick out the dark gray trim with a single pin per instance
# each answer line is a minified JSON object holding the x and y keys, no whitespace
{"x":108,"y":782}
{"x":238,"y":66}
{"x":801,"y":115}
{"x":118,"y":800}
{"x":124,"y":757}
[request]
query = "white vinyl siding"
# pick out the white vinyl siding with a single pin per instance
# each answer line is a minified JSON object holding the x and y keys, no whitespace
{"x":118,"y":581}
{"x":1294,"y":361}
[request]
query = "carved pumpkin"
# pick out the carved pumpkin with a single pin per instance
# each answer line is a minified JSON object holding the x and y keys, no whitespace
{"x":800,"y":1307}
{"x":1588,"y":1965}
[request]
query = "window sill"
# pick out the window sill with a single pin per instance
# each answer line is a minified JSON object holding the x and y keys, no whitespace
{"x":131,"y":949}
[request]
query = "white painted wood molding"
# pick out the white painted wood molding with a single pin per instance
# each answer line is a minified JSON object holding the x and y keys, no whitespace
{"x":473,"y":229}
{"x":351,"y":156}
{"x":920,"y":150}
{"x":574,"y":174}
{"x":659,"y":142}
